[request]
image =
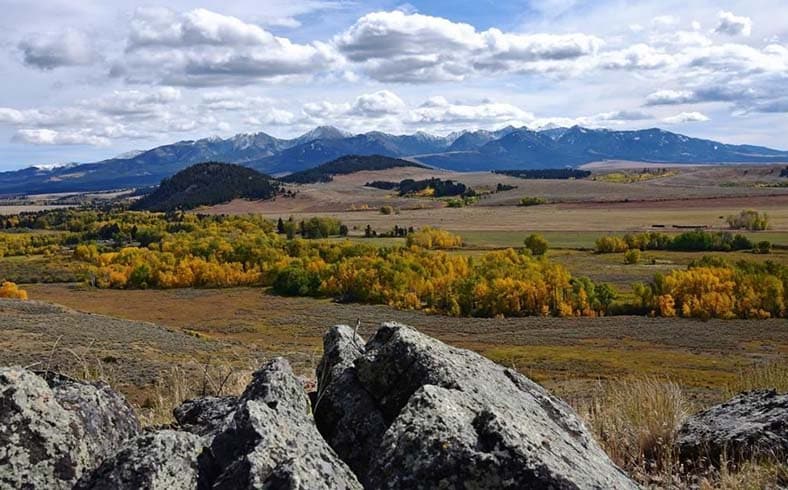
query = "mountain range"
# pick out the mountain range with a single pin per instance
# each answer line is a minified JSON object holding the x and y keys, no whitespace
{"x":479,"y":150}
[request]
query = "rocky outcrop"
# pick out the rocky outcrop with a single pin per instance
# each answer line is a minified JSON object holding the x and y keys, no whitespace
{"x":54,"y":429}
{"x":272,"y":441}
{"x":205,"y":416}
{"x":345,"y":413}
{"x":163,"y":459}
{"x":454,"y":419}
{"x":401,"y":411}
{"x":750,"y":425}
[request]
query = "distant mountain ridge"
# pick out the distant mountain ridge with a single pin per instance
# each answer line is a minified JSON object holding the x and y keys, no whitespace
{"x":509,"y":148}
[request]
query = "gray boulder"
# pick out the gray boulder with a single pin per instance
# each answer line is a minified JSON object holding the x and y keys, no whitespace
{"x":457,"y":420}
{"x":750,"y":425}
{"x":205,"y":416}
{"x":345,"y":413}
{"x":165,"y":459}
{"x":51,"y":433}
{"x":272,"y":441}
{"x":107,"y":419}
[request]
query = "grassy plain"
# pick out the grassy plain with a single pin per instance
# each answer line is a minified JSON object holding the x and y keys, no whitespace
{"x":569,"y":354}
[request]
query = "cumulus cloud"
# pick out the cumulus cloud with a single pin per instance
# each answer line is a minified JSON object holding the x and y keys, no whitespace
{"x":52,"y":137}
{"x":128,"y":102}
{"x":203,"y":48}
{"x":733,"y":25}
{"x":637,"y":57}
{"x":383,"y":102}
{"x":685,"y":117}
{"x":403,"y":47}
{"x":670,"y":97}
{"x":50,"y":51}
{"x":438,"y":110}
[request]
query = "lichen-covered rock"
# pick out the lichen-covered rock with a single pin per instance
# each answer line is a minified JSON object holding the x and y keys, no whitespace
{"x":106,"y":418}
{"x":165,"y":459}
{"x":272,"y":441}
{"x":345,"y":413}
{"x":53,"y":430}
{"x":205,"y":416}
{"x":457,"y":420}
{"x":750,"y":425}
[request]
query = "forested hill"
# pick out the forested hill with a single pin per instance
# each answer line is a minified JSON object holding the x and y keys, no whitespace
{"x":209,"y":183}
{"x":347,"y":165}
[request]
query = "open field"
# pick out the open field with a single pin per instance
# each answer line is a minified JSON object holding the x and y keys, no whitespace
{"x":347,"y":192}
{"x":569,"y":355}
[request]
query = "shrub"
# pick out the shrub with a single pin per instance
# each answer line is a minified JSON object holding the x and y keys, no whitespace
{"x":536,"y":244}
{"x":532,"y":201}
{"x":763,"y":247}
{"x":10,"y":290}
{"x":433,"y":238}
{"x":749,"y":219}
{"x":386,"y":210}
{"x":632,"y":256}
{"x":610,"y":244}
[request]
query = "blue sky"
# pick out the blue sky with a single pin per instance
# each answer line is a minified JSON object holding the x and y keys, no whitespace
{"x":82,"y":81}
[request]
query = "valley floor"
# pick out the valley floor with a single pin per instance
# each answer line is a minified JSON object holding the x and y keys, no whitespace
{"x":241,"y":326}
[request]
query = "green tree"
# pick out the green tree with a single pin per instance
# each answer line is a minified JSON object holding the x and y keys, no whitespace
{"x":536,"y":244}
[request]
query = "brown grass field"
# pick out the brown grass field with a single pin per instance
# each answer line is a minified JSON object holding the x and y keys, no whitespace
{"x":568,"y":355}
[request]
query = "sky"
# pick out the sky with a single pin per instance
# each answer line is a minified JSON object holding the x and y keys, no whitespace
{"x":90,"y":79}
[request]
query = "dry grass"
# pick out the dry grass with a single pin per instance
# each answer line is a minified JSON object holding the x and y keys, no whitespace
{"x":183,"y":383}
{"x":636,"y":422}
{"x":769,"y":376}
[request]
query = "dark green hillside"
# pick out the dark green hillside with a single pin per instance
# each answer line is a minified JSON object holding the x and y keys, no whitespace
{"x":209,"y":183}
{"x":347,"y":165}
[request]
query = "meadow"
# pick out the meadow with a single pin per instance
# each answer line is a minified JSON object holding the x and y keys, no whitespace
{"x":132,"y":315}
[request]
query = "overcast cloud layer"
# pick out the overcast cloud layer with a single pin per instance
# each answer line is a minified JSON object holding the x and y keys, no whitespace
{"x":82,"y":81}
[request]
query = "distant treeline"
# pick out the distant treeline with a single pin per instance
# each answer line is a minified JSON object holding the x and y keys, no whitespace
{"x":691,"y":241}
{"x":434,"y":187}
{"x":346,"y":165}
{"x":547,"y":173}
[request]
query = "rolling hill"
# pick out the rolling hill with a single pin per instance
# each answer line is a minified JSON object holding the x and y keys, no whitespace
{"x":206,"y":184}
{"x":509,"y":148}
{"x":347,"y":165}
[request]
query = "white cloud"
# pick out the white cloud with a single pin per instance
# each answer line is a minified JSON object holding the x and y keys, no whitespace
{"x":664,"y":21}
{"x":204,"y":48}
{"x":400,"y":47}
{"x":733,"y":25}
{"x":438,"y":110}
{"x":685,"y":117}
{"x":130,"y":102}
{"x":669,"y":97}
{"x":52,"y":137}
{"x":49,"y":51}
{"x":637,"y":57}
{"x":383,"y":102}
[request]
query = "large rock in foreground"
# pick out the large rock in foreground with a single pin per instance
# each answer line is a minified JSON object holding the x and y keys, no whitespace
{"x":454,"y":419}
{"x":750,"y":425}
{"x":347,"y":416}
{"x":51,"y":431}
{"x":205,"y":416}
{"x":272,"y":441}
{"x":163,"y":459}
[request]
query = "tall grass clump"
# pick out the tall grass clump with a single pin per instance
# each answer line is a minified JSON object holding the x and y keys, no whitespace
{"x":765,"y":376}
{"x":183,"y":383}
{"x":636,"y":422}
